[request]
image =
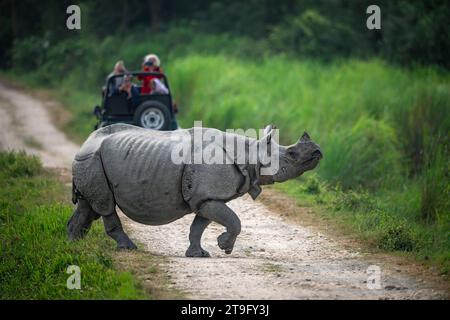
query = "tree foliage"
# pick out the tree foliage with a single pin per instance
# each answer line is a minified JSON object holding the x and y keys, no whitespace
{"x":412,"y":31}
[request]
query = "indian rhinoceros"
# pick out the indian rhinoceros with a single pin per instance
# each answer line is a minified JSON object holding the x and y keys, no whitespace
{"x":134,"y":168}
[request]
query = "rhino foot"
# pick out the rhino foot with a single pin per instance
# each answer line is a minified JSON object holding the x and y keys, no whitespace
{"x":126,"y":245}
{"x":197,"y":252}
{"x":76,"y":235}
{"x":226,"y":242}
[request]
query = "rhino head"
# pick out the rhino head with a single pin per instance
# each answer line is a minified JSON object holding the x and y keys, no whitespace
{"x":293,"y":160}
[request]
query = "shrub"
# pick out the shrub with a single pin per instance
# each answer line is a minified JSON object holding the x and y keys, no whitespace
{"x":313,"y":185}
{"x":29,"y":53}
{"x":397,"y":238}
{"x":353,"y":200}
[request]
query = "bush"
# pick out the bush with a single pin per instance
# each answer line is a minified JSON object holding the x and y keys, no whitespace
{"x":313,"y":185}
{"x":397,"y":238}
{"x":29,"y":53}
{"x":353,"y":200}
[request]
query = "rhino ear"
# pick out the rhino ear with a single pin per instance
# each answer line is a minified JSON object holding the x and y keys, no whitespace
{"x":268,"y":133}
{"x":268,"y":129}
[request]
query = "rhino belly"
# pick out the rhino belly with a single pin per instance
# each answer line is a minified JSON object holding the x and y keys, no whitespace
{"x":151,"y":210}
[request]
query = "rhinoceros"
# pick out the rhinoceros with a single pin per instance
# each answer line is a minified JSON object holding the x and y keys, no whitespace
{"x":134,"y":169}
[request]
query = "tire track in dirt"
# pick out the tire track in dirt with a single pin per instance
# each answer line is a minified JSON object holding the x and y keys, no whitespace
{"x":273,"y":258}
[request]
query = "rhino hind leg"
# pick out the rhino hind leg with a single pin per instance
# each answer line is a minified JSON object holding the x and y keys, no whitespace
{"x":197,"y":227}
{"x":113,"y":228}
{"x":81,"y":220}
{"x":219,"y":212}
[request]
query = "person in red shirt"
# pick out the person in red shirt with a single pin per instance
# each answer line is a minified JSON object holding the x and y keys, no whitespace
{"x":151,"y":64}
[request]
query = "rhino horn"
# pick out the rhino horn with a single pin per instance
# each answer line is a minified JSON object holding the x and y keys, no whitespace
{"x":305,"y":137}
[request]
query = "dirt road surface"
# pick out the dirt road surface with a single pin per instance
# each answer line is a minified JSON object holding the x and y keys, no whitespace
{"x":273,"y":258}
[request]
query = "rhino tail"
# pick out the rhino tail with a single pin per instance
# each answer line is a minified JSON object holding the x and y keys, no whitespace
{"x":75,"y":193}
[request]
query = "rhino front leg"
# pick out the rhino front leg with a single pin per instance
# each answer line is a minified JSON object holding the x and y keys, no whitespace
{"x":219,"y":212}
{"x":197,"y":227}
{"x":114,"y":229}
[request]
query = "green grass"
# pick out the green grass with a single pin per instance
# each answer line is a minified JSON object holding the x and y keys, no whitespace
{"x":34,"y":250}
{"x":80,"y":105}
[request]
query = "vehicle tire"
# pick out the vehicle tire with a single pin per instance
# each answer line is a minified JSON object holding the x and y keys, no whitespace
{"x":153,"y":115}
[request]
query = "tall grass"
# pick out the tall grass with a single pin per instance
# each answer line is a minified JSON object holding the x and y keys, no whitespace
{"x":435,"y":186}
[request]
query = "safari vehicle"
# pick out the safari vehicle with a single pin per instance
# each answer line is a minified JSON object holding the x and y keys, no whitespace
{"x":151,"y":111}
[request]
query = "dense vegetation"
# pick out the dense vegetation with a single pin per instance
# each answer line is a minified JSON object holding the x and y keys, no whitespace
{"x":412,"y":31}
{"x":34,"y":252}
{"x":383,"y":127}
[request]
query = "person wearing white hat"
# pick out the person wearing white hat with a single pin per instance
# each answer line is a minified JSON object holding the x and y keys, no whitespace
{"x":151,"y":63}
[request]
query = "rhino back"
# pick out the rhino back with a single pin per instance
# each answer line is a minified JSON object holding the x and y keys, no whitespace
{"x":145,"y":182}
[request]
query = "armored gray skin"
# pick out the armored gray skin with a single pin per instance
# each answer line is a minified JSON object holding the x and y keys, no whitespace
{"x":131,"y":167}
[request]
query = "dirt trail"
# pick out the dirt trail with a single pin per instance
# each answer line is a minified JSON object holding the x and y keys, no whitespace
{"x":26,"y":124}
{"x":273,"y":258}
